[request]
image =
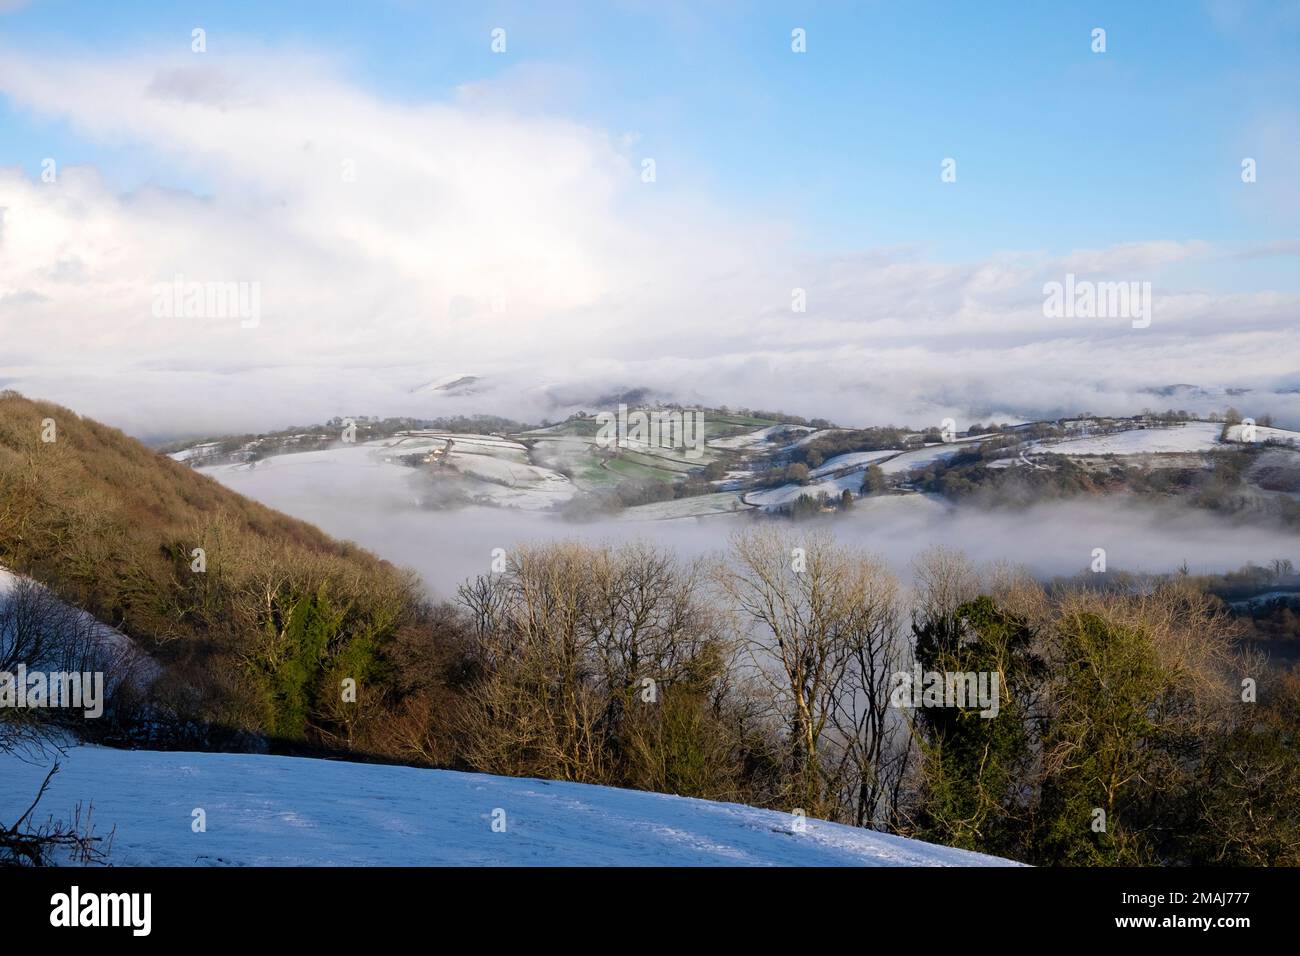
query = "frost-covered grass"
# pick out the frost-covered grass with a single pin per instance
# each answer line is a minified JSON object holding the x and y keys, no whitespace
{"x":819,"y":433}
{"x":854,"y":459}
{"x":291,"y":811}
{"x":195,"y":451}
{"x":761,"y":438}
{"x":833,"y":487}
{"x":459,"y":444}
{"x":697,"y":506}
{"x":497,"y":473}
{"x":1265,"y":433}
{"x":920,"y":457}
{"x":628,"y":467}
{"x":1189,"y":437}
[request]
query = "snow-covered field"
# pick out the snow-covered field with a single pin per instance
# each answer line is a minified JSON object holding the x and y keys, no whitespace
{"x":370,"y":472}
{"x":696,"y":506}
{"x":920,"y":457}
{"x":290,"y":811}
{"x":819,"y":433}
{"x":513,"y":484}
{"x":763,"y":437}
{"x":848,"y":469}
{"x":1266,"y":433}
{"x":1191,"y":437}
{"x":783,"y":495}
{"x":854,"y":459}
{"x":478,"y":444}
{"x":197,"y":451}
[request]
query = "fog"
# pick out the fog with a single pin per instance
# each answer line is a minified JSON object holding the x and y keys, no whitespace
{"x":373,"y":504}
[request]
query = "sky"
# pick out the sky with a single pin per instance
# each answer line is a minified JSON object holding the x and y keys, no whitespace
{"x":408,"y":204}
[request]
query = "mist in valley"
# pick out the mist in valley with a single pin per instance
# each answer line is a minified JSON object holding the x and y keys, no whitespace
{"x":379,"y":506}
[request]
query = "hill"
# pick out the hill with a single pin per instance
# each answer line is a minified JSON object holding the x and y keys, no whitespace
{"x":252,"y":613}
{"x":284,"y":811}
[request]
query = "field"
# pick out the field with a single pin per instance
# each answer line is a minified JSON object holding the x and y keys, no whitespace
{"x":294,"y":811}
{"x":1188,"y":437}
{"x":697,"y":506}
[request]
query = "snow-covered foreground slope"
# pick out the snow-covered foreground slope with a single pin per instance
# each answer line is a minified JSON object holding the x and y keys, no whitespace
{"x":263,"y":810}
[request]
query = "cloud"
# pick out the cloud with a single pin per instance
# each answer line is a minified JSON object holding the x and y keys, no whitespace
{"x":1134,"y":257}
{"x":393,"y":242}
{"x":1267,"y":250}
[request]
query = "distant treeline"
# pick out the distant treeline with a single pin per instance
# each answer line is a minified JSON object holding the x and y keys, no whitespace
{"x":1227,"y":485}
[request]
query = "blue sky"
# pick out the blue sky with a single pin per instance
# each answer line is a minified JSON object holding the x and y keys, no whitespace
{"x":1057,"y":147}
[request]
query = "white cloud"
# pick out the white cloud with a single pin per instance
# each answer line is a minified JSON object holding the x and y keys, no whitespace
{"x":525,"y":248}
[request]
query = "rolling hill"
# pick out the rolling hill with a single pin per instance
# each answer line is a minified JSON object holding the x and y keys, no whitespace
{"x":289,"y":811}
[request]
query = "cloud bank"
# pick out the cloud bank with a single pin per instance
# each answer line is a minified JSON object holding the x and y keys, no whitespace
{"x":392,"y":243}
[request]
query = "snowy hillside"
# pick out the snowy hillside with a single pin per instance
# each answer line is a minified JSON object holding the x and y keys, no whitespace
{"x":1190,"y":437}
{"x":117,"y":652}
{"x":487,"y":469}
{"x":264,"y":810}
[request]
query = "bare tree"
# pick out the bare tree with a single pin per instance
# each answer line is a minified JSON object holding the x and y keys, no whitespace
{"x":27,"y":844}
{"x":875,"y":737}
{"x":821,"y":624}
{"x":39,"y":631}
{"x":944,"y":579}
{"x":568,"y":640}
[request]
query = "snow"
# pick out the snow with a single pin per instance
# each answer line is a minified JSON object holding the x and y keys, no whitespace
{"x":762,"y":437}
{"x":1266,"y":433}
{"x":514,"y":485}
{"x":921,"y":457}
{"x":195,"y":451}
{"x":459,"y":440}
{"x":289,"y":811}
{"x":833,"y":487}
{"x":851,"y":460}
{"x":301,"y":483}
{"x":890,"y":462}
{"x":1268,"y":597}
{"x":819,"y":433}
{"x":1191,"y":437}
{"x":115,"y":650}
{"x":449,"y":382}
{"x":696,"y":506}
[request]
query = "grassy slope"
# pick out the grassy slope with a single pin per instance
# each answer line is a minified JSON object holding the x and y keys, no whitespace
{"x":105,"y":477}
{"x":109,"y":525}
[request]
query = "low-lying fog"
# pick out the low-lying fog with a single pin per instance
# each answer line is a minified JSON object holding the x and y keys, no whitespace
{"x":374,"y":505}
